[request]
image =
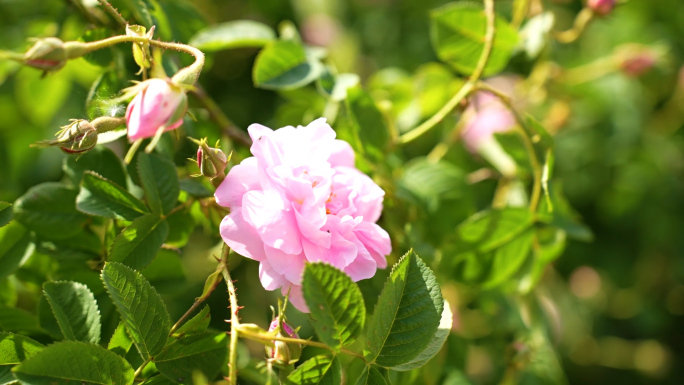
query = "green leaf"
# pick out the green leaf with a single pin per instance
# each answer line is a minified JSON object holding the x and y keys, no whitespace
{"x":55,"y":365}
{"x":120,"y":343}
{"x":81,"y":247}
{"x":100,"y":160}
{"x":101,"y":101}
{"x":6,"y":376}
{"x":429,"y":182}
{"x":368,"y":122}
{"x":335,"y":302}
{"x":100,"y":196}
{"x":16,"y":320}
{"x":181,"y":225}
{"x":49,"y":209}
{"x":319,"y":370}
{"x":15,"y":248}
{"x":457,"y":32}
{"x":160,"y":182}
{"x":407,"y":314}
{"x":436,"y":342}
{"x":165,"y":272}
{"x":101,"y":57}
{"x":140,"y":11}
{"x":5,"y":213}
{"x":140,"y":307}
{"x":371,"y":376}
{"x":285,"y":64}
{"x":490,"y":229}
{"x":75,"y":309}
{"x":509,"y":258}
{"x":206,"y":352}
{"x":158,"y":380}
{"x":233,"y":34}
{"x":138,"y":243}
{"x":197,"y":324}
{"x":15,"y":348}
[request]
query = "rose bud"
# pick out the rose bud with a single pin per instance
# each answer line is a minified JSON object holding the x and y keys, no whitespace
{"x":46,"y":54}
{"x":158,"y":103}
{"x":284,"y":353}
{"x":79,"y":136}
{"x":635,"y":59}
{"x":601,"y":7}
{"x":211,"y":161}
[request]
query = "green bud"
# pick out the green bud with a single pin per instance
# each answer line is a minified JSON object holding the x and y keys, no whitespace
{"x":46,"y":54}
{"x":75,"y":138}
{"x":211,"y":161}
{"x":283,"y":353}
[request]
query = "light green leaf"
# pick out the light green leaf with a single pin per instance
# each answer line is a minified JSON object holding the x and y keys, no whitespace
{"x":319,"y":370}
{"x":371,"y":376}
{"x":508,"y":259}
{"x":49,"y":209}
{"x":233,"y":34}
{"x":206,"y":352}
{"x":457,"y":32}
{"x":197,"y":324}
{"x":368,"y":122}
{"x":335,"y":302}
{"x":15,"y":348}
{"x":5,"y":213}
{"x":285,"y":64}
{"x":121,"y":342}
{"x":429,"y":182}
{"x":75,"y":309}
{"x":54,"y":365}
{"x":140,"y":307}
{"x":160,"y":182}
{"x":490,"y":229}
{"x":15,"y":248}
{"x":407,"y":314}
{"x":436,"y":342}
{"x":138,"y":243}
{"x":99,"y":159}
{"x":100,"y":196}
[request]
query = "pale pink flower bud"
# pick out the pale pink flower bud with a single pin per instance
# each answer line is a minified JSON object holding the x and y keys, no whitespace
{"x":158,"y":103}
{"x":300,"y":199}
{"x":601,"y":7}
{"x":283,"y":352}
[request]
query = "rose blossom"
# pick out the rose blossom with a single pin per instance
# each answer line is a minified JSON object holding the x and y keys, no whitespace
{"x":299,"y":199}
{"x":157,"y":103}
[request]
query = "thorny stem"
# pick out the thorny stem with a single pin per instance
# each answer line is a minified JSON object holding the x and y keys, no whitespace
{"x":228,"y":128}
{"x":466,"y":88}
{"x":234,"y":320}
{"x":266,"y":338}
{"x":108,"y":7}
{"x":581,"y":21}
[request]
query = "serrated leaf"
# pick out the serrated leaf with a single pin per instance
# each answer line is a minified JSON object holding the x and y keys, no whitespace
{"x":490,"y":229}
{"x":102,"y":197}
{"x":457,"y":33}
{"x":371,"y":376}
{"x":138,"y":243}
{"x":15,"y":348}
{"x":233,"y":34}
{"x":319,"y":370}
{"x":197,"y":324}
{"x":436,"y":342}
{"x":285,"y":64}
{"x":100,"y":160}
{"x":160,"y":182}
{"x":335,"y":302}
{"x":407,"y":314}
{"x":49,"y":209}
{"x":5,"y":213}
{"x":75,"y":309}
{"x":121,"y":342}
{"x":15,"y":248}
{"x":206,"y":352}
{"x":508,"y":259}
{"x":141,"y":308}
{"x":16,"y":320}
{"x":54,"y":365}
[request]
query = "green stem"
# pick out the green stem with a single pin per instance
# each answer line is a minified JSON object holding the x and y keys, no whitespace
{"x":466,"y":88}
{"x":234,"y":320}
{"x":581,"y":22}
{"x":138,"y":372}
{"x":108,"y":7}
{"x":264,"y":338}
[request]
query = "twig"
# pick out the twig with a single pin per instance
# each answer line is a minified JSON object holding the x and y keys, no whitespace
{"x":116,"y":15}
{"x":581,"y":21}
{"x":234,"y":320}
{"x":466,"y":88}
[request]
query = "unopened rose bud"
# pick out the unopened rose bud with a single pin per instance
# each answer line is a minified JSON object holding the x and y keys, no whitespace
{"x":636,"y":59}
{"x":46,"y":54}
{"x":211,"y":161}
{"x":284,"y":353}
{"x":158,"y":104}
{"x":79,"y":136}
{"x":601,"y":7}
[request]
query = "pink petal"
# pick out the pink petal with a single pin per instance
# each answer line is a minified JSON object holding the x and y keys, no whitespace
{"x":276,"y":227}
{"x":270,"y":280}
{"x":376,"y":240}
{"x":342,"y":154}
{"x":241,"y":236}
{"x":296,"y":297}
{"x":240,"y":179}
{"x":288,"y":265}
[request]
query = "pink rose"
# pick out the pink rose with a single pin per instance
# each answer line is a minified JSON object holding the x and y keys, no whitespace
{"x":299,"y":199}
{"x":158,"y":103}
{"x":601,"y":7}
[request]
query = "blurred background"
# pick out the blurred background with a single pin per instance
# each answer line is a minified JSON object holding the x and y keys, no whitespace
{"x":613,"y":303}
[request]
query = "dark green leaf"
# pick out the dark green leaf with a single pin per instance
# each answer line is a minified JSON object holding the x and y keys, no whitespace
{"x":138,"y":243}
{"x":15,"y":248}
{"x":140,"y":11}
{"x":101,"y":160}
{"x":81,"y":247}
{"x":15,"y":348}
{"x":100,"y":196}
{"x":490,"y":229}
{"x":5,"y":213}
{"x":509,"y":258}
{"x":158,"y":380}
{"x":140,"y":307}
{"x":197,"y":324}
{"x":233,"y":34}
{"x":101,"y":57}
{"x":16,"y":320}
{"x":120,"y":343}
{"x":429,"y":182}
{"x":371,"y":376}
{"x":285,"y":64}
{"x":166,"y":272}
{"x":368,"y":122}
{"x":49,"y":209}
{"x":160,"y":182}
{"x":457,"y":32}
{"x":195,"y":188}
{"x":436,"y":342}
{"x":181,"y":225}
{"x":206,"y":352}
{"x":75,"y":309}
{"x":319,"y":370}
{"x":55,"y":365}
{"x":407,"y":314}
{"x":335,"y":302}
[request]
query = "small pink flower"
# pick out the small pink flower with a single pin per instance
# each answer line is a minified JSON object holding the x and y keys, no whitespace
{"x":158,"y":103}
{"x":299,"y":199}
{"x":601,"y":7}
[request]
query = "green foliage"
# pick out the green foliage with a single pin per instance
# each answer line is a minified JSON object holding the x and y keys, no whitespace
{"x":206,"y":352}
{"x":76,"y":310}
{"x":233,"y":34}
{"x":160,"y":182}
{"x":138,"y":243}
{"x":490,"y":229}
{"x":285,"y":64}
{"x":335,"y":302}
{"x":197,"y":324}
{"x":15,"y":348}
{"x":100,"y":196}
{"x":371,"y":376}
{"x":5,"y":213}
{"x":15,"y":248}
{"x":434,"y":346}
{"x":120,"y":342}
{"x":101,"y":161}
{"x":141,"y":309}
{"x":319,"y":370}
{"x":54,"y":365}
{"x":49,"y":209}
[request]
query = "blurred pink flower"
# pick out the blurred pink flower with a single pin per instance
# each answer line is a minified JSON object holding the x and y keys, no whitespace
{"x":157,"y":103}
{"x":601,"y":7}
{"x":299,"y":199}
